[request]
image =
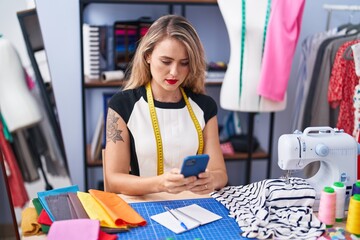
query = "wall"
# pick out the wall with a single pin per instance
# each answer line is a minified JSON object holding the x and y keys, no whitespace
{"x":60,"y":26}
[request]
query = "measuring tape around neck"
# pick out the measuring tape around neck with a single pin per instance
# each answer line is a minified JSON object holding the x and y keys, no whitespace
{"x":155,"y":124}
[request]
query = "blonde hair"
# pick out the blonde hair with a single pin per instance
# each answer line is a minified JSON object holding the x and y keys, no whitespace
{"x":169,"y":26}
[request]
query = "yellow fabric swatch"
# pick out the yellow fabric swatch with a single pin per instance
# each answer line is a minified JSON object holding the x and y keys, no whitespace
{"x":29,"y":224}
{"x":119,"y":210}
{"x":96,"y":211}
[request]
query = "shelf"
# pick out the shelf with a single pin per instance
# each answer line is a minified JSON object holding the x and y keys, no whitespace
{"x":153,"y":1}
{"x":102,"y":84}
{"x":121,"y":83}
{"x":92,"y":162}
{"x":259,"y":154}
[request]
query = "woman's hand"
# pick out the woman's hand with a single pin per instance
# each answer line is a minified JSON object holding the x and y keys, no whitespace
{"x":204,"y":183}
{"x":174,"y":182}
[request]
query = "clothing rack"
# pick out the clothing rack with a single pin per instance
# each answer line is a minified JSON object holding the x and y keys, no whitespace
{"x":330,"y":8}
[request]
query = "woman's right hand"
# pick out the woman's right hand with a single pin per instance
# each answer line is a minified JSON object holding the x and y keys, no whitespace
{"x":174,"y":182}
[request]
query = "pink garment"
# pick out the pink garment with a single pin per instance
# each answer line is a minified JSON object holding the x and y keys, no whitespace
{"x":281,"y":39}
{"x":29,"y":81}
{"x":79,"y":229}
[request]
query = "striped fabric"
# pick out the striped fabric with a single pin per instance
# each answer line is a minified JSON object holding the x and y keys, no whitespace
{"x":273,"y":208}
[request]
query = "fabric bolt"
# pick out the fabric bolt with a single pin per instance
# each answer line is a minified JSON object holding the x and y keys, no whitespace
{"x":44,"y":228}
{"x":79,"y":229}
{"x":119,"y":210}
{"x":42,"y":195}
{"x":95,"y":211}
{"x":274,"y":208}
{"x":18,"y":192}
{"x":77,"y":206}
{"x":59,"y":206}
{"x":342,"y":83}
{"x":29,"y":224}
{"x":283,"y":30}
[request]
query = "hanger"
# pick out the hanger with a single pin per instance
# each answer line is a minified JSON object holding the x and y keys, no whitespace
{"x":344,"y":26}
{"x":348,"y":54}
{"x":355,"y":27}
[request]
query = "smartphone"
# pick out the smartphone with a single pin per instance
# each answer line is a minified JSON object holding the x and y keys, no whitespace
{"x":193,"y":165}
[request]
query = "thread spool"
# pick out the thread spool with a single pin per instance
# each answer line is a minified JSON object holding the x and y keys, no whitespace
{"x":353,"y":219}
{"x":340,"y":190}
{"x":327,"y":206}
{"x":356,"y":188}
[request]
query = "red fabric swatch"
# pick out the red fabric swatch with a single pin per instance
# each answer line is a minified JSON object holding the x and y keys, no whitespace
{"x":44,"y":218}
{"x":106,"y":236}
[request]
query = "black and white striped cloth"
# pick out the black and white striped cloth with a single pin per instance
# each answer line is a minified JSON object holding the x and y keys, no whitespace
{"x":273,"y":208}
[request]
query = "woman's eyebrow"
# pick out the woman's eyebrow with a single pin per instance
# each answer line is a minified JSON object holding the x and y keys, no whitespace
{"x":170,"y":58}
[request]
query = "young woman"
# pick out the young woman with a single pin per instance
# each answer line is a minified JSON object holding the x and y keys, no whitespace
{"x":162,"y":116}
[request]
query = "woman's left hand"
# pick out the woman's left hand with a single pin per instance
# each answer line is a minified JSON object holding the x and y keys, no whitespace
{"x":204,"y":184}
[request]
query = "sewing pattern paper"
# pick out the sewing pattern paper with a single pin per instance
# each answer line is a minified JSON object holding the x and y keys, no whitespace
{"x":273,"y":208}
{"x":192,"y":216}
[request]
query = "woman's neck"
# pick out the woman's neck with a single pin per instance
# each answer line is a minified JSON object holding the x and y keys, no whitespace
{"x":162,"y":95}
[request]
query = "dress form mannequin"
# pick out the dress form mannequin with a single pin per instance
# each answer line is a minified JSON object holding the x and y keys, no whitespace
{"x":18,"y":107}
{"x":247,"y":100}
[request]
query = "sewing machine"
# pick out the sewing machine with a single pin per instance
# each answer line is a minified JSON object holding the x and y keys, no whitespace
{"x":336,"y":150}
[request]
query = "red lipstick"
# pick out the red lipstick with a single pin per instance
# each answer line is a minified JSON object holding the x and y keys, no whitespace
{"x":171,"y":81}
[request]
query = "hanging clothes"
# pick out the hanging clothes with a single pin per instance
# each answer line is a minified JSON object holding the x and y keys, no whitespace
{"x":281,"y":40}
{"x":311,"y":107}
{"x":341,"y":88}
{"x":17,"y":188}
{"x":310,"y":46}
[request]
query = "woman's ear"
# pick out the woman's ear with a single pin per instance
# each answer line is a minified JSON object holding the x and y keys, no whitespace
{"x":147,"y":58}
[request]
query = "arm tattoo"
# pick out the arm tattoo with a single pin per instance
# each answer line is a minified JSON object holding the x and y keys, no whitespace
{"x":112,"y":131}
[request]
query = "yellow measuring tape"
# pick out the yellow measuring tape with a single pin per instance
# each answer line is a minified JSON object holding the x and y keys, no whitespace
{"x":155,"y":124}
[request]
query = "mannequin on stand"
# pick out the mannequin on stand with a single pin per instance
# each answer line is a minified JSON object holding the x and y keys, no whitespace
{"x":246,"y":25}
{"x":20,"y":112}
{"x":18,"y":107}
{"x":262,"y":47}
{"x":245,"y":85}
